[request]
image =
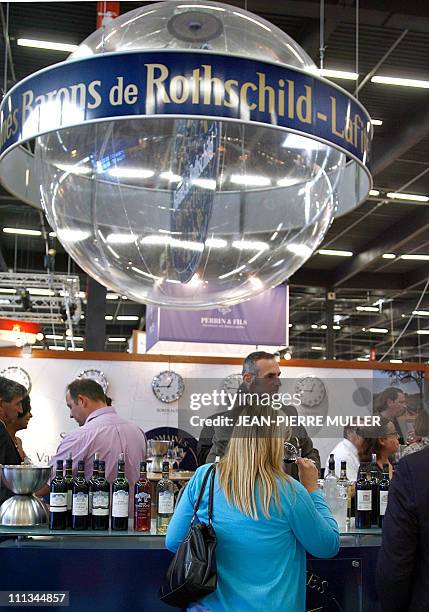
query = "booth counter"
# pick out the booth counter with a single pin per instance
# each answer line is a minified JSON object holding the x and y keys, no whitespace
{"x":121,"y":571}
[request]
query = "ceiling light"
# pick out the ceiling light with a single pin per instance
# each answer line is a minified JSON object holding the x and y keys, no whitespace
{"x":336,"y":327}
{"x":421,"y":313}
{"x":121,"y":238}
{"x":385,"y":80}
{"x":362,"y":359}
{"x":416,"y":257}
{"x":376,"y":122}
{"x":127,"y":318}
{"x":112,"y":296}
{"x":69,"y":235}
{"x":46,"y":44}
{"x":396,"y":361}
{"x":37,"y":291}
{"x":299,"y":249}
{"x":317,"y":348}
{"x":388,"y":256}
{"x":4,"y":290}
{"x":407,"y":196}
{"x":323,"y":326}
{"x":130,"y":173}
{"x":77,"y":338}
{"x":338,"y":74}
{"x":216,"y":243}
{"x":374,"y":192}
{"x":367,"y":309}
{"x":250,"y":245}
{"x":335,"y":252}
{"x":314,"y":326}
{"x":108,"y":318}
{"x":75,"y":349}
{"x":170,"y":176}
{"x":423,"y":332}
{"x":54,"y":337}
{"x":23,"y":232}
{"x":378,"y":330}
{"x":57,"y":348}
{"x":117,"y":339}
{"x":250,"y":180}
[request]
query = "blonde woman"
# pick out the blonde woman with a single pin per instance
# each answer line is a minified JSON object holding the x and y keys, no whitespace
{"x":265,"y":522}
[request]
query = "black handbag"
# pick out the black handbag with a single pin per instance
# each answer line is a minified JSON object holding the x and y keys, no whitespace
{"x":192,"y":573}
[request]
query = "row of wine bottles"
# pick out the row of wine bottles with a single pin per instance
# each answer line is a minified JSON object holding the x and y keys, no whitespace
{"x":76,"y":503}
{"x":371,"y":496}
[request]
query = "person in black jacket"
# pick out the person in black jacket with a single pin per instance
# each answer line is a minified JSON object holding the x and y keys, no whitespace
{"x":261,"y":375}
{"x":11,"y":396}
{"x":403,"y":562}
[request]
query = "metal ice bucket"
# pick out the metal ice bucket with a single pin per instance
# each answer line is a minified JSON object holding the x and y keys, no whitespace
{"x":24,"y":508}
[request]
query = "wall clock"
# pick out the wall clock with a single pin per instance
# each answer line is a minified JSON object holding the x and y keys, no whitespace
{"x":18,"y":375}
{"x":168,"y":386}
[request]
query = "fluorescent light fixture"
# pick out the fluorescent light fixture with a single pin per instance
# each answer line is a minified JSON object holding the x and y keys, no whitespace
{"x":57,"y":348}
{"x":407,"y":196}
{"x":374,"y":192}
{"x":232,"y":272}
{"x":250,"y":180}
{"x":396,"y":361}
{"x":386,"y":80}
{"x":130,"y":173}
{"x":416,"y":257}
{"x":46,"y":44}
{"x":367,"y":309}
{"x":388,"y":256}
{"x":204,"y":183}
{"x":54,"y":337}
{"x":339,"y":74}
{"x":127,"y":318}
{"x":336,"y":327}
{"x":121,"y":238}
{"x":75,"y":349}
{"x":23,"y":232}
{"x":77,"y":338}
{"x":258,"y":23}
{"x":421,"y":313}
{"x":362,"y":359}
{"x":112,"y":296}
{"x":40,"y":291}
{"x":301,"y":250}
{"x":314,"y":326}
{"x":6,"y":290}
{"x":423,"y":332}
{"x":117,"y":339}
{"x":69,"y":235}
{"x":216,"y":243}
{"x":317,"y":348}
{"x":108,"y":318}
{"x":378,"y":330}
{"x":376,"y":122}
{"x":335,"y":252}
{"x":170,"y":176}
{"x":250,"y":245}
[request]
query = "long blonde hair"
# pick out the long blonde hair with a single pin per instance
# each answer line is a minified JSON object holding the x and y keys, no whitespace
{"x":253,"y":461}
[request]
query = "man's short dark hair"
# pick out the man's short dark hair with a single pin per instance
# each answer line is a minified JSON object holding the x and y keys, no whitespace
{"x":87,"y":387}
{"x":390,"y":393}
{"x":249,"y":364}
{"x":9,"y":389}
{"x":349,"y":430}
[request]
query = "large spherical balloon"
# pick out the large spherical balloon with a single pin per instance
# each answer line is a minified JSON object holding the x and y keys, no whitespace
{"x":189,"y":212}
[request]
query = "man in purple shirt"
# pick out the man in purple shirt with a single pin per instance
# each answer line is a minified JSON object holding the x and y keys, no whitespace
{"x":101,"y":430}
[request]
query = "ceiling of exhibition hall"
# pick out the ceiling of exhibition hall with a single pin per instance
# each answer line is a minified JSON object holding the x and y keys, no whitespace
{"x":375,"y":295}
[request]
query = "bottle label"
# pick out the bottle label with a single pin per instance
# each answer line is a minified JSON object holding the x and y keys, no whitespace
{"x":69,"y":499}
{"x":342,"y":491}
{"x":165,"y":502}
{"x":364,"y":500}
{"x":58,"y":502}
{"x":120,"y":501}
{"x":100,"y":503}
{"x":383,"y":502}
{"x":80,"y":504}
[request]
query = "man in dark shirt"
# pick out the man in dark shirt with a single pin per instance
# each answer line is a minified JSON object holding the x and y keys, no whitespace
{"x":403,"y":562}
{"x":11,"y":395}
{"x":261,"y":375}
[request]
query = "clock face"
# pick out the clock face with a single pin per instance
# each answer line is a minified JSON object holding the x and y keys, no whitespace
{"x":232,"y":383}
{"x":168,"y":386}
{"x":311,"y":390}
{"x":96,"y":375}
{"x":18,"y":375}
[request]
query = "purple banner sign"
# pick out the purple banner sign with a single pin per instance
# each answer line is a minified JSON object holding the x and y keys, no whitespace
{"x":260,"y":321}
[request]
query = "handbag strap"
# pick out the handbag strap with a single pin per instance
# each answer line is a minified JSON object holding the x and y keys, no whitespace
{"x":211,"y":471}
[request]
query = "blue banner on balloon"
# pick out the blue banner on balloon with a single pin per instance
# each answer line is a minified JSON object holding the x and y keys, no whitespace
{"x":179,"y":83}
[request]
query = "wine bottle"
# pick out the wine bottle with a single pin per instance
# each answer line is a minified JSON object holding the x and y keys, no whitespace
{"x":80,"y":499}
{"x":345,"y":489}
{"x":58,"y":500}
{"x":374,"y":489}
{"x":68,"y":477}
{"x":120,"y":499}
{"x":165,"y":500}
{"x":330,"y":484}
{"x":91,"y":484}
{"x":142,"y":501}
{"x":100,"y":500}
{"x":363,"y":502}
{"x":383,"y":492}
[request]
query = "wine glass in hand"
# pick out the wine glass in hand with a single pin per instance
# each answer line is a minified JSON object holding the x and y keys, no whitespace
{"x":290,"y":453}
